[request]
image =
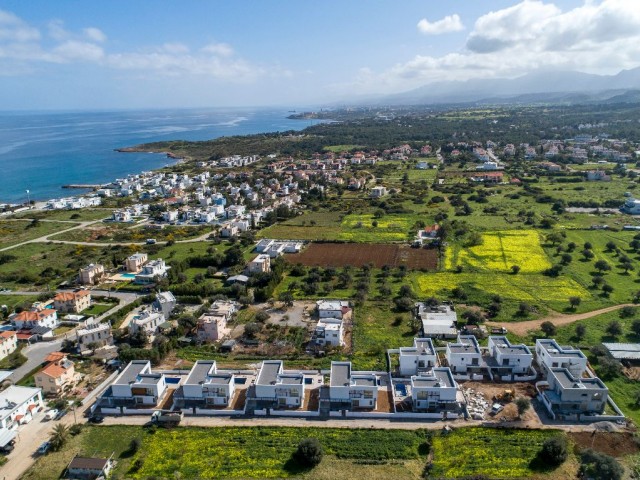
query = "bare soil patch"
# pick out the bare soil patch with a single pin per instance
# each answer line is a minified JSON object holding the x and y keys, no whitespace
{"x":616,"y":444}
{"x":359,"y":254}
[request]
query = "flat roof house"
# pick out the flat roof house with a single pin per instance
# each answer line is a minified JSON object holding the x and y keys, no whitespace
{"x":438,"y":321}
{"x":329,"y":332}
{"x":260,"y":264}
{"x":151,"y":271}
{"x":551,"y":355}
{"x":136,"y":385}
{"x":205,"y":387}
{"x":465,"y":357}
{"x":508,"y":360}
{"x":146,"y":320}
{"x":352,"y":390}
{"x":275,"y":388}
{"x":333,"y":308}
{"x":18,"y":404}
{"x":436,"y":390}
{"x":91,"y":274}
{"x":568,"y":394}
{"x":419,"y":358}
{"x":134,"y":263}
{"x":94,"y":334}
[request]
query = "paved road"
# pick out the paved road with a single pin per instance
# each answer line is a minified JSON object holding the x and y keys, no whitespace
{"x":35,"y":354}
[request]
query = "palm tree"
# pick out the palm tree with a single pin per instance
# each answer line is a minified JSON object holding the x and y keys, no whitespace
{"x":58,"y":436}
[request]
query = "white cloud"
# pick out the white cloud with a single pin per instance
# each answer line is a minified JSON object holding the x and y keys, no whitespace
{"x":13,"y":29}
{"x":450,"y":23}
{"x":219,"y":49}
{"x":21,"y":48}
{"x":95,"y":34}
{"x":596,"y":37}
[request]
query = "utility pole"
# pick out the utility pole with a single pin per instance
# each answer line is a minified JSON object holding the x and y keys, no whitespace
{"x":28,"y":199}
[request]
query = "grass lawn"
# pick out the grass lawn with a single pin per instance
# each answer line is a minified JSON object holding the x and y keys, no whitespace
{"x":98,"y":309}
{"x":14,"y":232}
{"x":257,"y":452}
{"x":488,"y":452}
{"x":390,"y":228}
{"x":310,"y":226}
{"x":62,"y":329}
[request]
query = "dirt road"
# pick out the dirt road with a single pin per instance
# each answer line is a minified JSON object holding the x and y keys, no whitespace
{"x":558,"y":319}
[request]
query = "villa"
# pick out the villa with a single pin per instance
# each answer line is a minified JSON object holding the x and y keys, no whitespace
{"x":350,"y":390}
{"x":206,"y":387}
{"x":275,"y":388}
{"x":136,"y":385}
{"x":551,"y":355}
{"x":420,"y":358}
{"x":72,"y":302}
{"x":566,"y":394}
{"x":436,"y":390}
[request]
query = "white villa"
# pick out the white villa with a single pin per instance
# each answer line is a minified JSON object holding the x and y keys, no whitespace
{"x":420,"y":358}
{"x":436,"y":390}
{"x":206,"y":387}
{"x":551,"y":355}
{"x":278,"y":388}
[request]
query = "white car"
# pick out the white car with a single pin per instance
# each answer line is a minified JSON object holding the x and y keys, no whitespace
{"x":496,"y":408}
{"x":51,"y":414}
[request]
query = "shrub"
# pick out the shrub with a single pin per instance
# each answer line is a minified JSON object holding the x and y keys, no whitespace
{"x":599,"y":466}
{"x":548,"y":328}
{"x":554,"y":450}
{"x":135,"y":445}
{"x":309,"y":452}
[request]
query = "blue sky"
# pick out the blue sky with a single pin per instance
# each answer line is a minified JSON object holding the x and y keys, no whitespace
{"x":137,"y":54}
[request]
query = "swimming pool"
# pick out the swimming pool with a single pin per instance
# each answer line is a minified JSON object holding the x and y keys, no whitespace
{"x":128,"y":275}
{"x":173,"y":380}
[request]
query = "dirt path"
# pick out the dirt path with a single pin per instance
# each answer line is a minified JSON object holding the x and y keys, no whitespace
{"x":558,"y":319}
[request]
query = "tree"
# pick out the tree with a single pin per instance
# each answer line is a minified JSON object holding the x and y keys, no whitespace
{"x":554,"y":450}
{"x":635,"y":327}
{"x":588,"y":246}
{"x":575,"y":302}
{"x":515,"y":269}
{"x":626,"y":266}
{"x":627,"y":312}
{"x":602,"y":266}
{"x":599,"y":466}
{"x":262,"y":316}
{"x":607,"y":289}
{"x":581,"y":330}
{"x":587,"y":254}
{"x":611,"y":246}
{"x":524,"y":308}
{"x":523,"y":404}
{"x":608,"y":367}
{"x":309,"y":452}
{"x":597,"y":280}
{"x":548,"y":328}
{"x":566,"y":258}
{"x":286,"y":298}
{"x":58,"y":436}
{"x":252,"y":329}
{"x":614,"y":328}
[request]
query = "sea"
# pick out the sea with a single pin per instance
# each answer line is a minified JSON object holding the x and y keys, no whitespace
{"x":41,"y":151}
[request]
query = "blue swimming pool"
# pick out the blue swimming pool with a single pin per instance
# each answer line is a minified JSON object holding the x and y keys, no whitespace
{"x":173,"y":380}
{"x":241,"y":380}
{"x":401,"y":389}
{"x":129,"y":275}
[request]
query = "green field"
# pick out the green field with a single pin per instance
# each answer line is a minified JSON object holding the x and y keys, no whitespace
{"x":11,"y":301}
{"x":82,"y":215}
{"x":487,"y":452}
{"x":18,"y":231}
{"x":242,"y":452}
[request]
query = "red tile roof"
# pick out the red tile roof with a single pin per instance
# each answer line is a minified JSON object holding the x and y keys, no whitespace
{"x":70,"y":296}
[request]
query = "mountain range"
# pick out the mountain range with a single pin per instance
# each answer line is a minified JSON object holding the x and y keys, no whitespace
{"x":536,"y":87}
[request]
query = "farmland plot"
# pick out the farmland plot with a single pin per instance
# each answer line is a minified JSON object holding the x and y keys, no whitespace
{"x":501,"y":250}
{"x":357,"y":255}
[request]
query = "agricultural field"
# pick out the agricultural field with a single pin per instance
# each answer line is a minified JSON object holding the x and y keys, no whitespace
{"x":341,"y":254}
{"x":309,"y":226}
{"x":489,"y":453}
{"x":541,"y":291}
{"x":13,"y":232}
{"x":367,"y":228}
{"x":236,"y":452}
{"x":501,"y":250}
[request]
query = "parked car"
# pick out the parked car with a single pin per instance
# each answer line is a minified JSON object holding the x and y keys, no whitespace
{"x":8,"y":448}
{"x":496,"y":408}
{"x":51,"y":414}
{"x":96,"y":419}
{"x":151,"y":241}
{"x":60,"y":414}
{"x":44,"y":448}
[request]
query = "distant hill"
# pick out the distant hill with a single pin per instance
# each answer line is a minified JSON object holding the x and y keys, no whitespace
{"x":537,"y":87}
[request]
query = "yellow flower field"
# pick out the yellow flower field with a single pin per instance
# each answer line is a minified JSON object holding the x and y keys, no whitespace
{"x":521,"y":287}
{"x":501,"y":250}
